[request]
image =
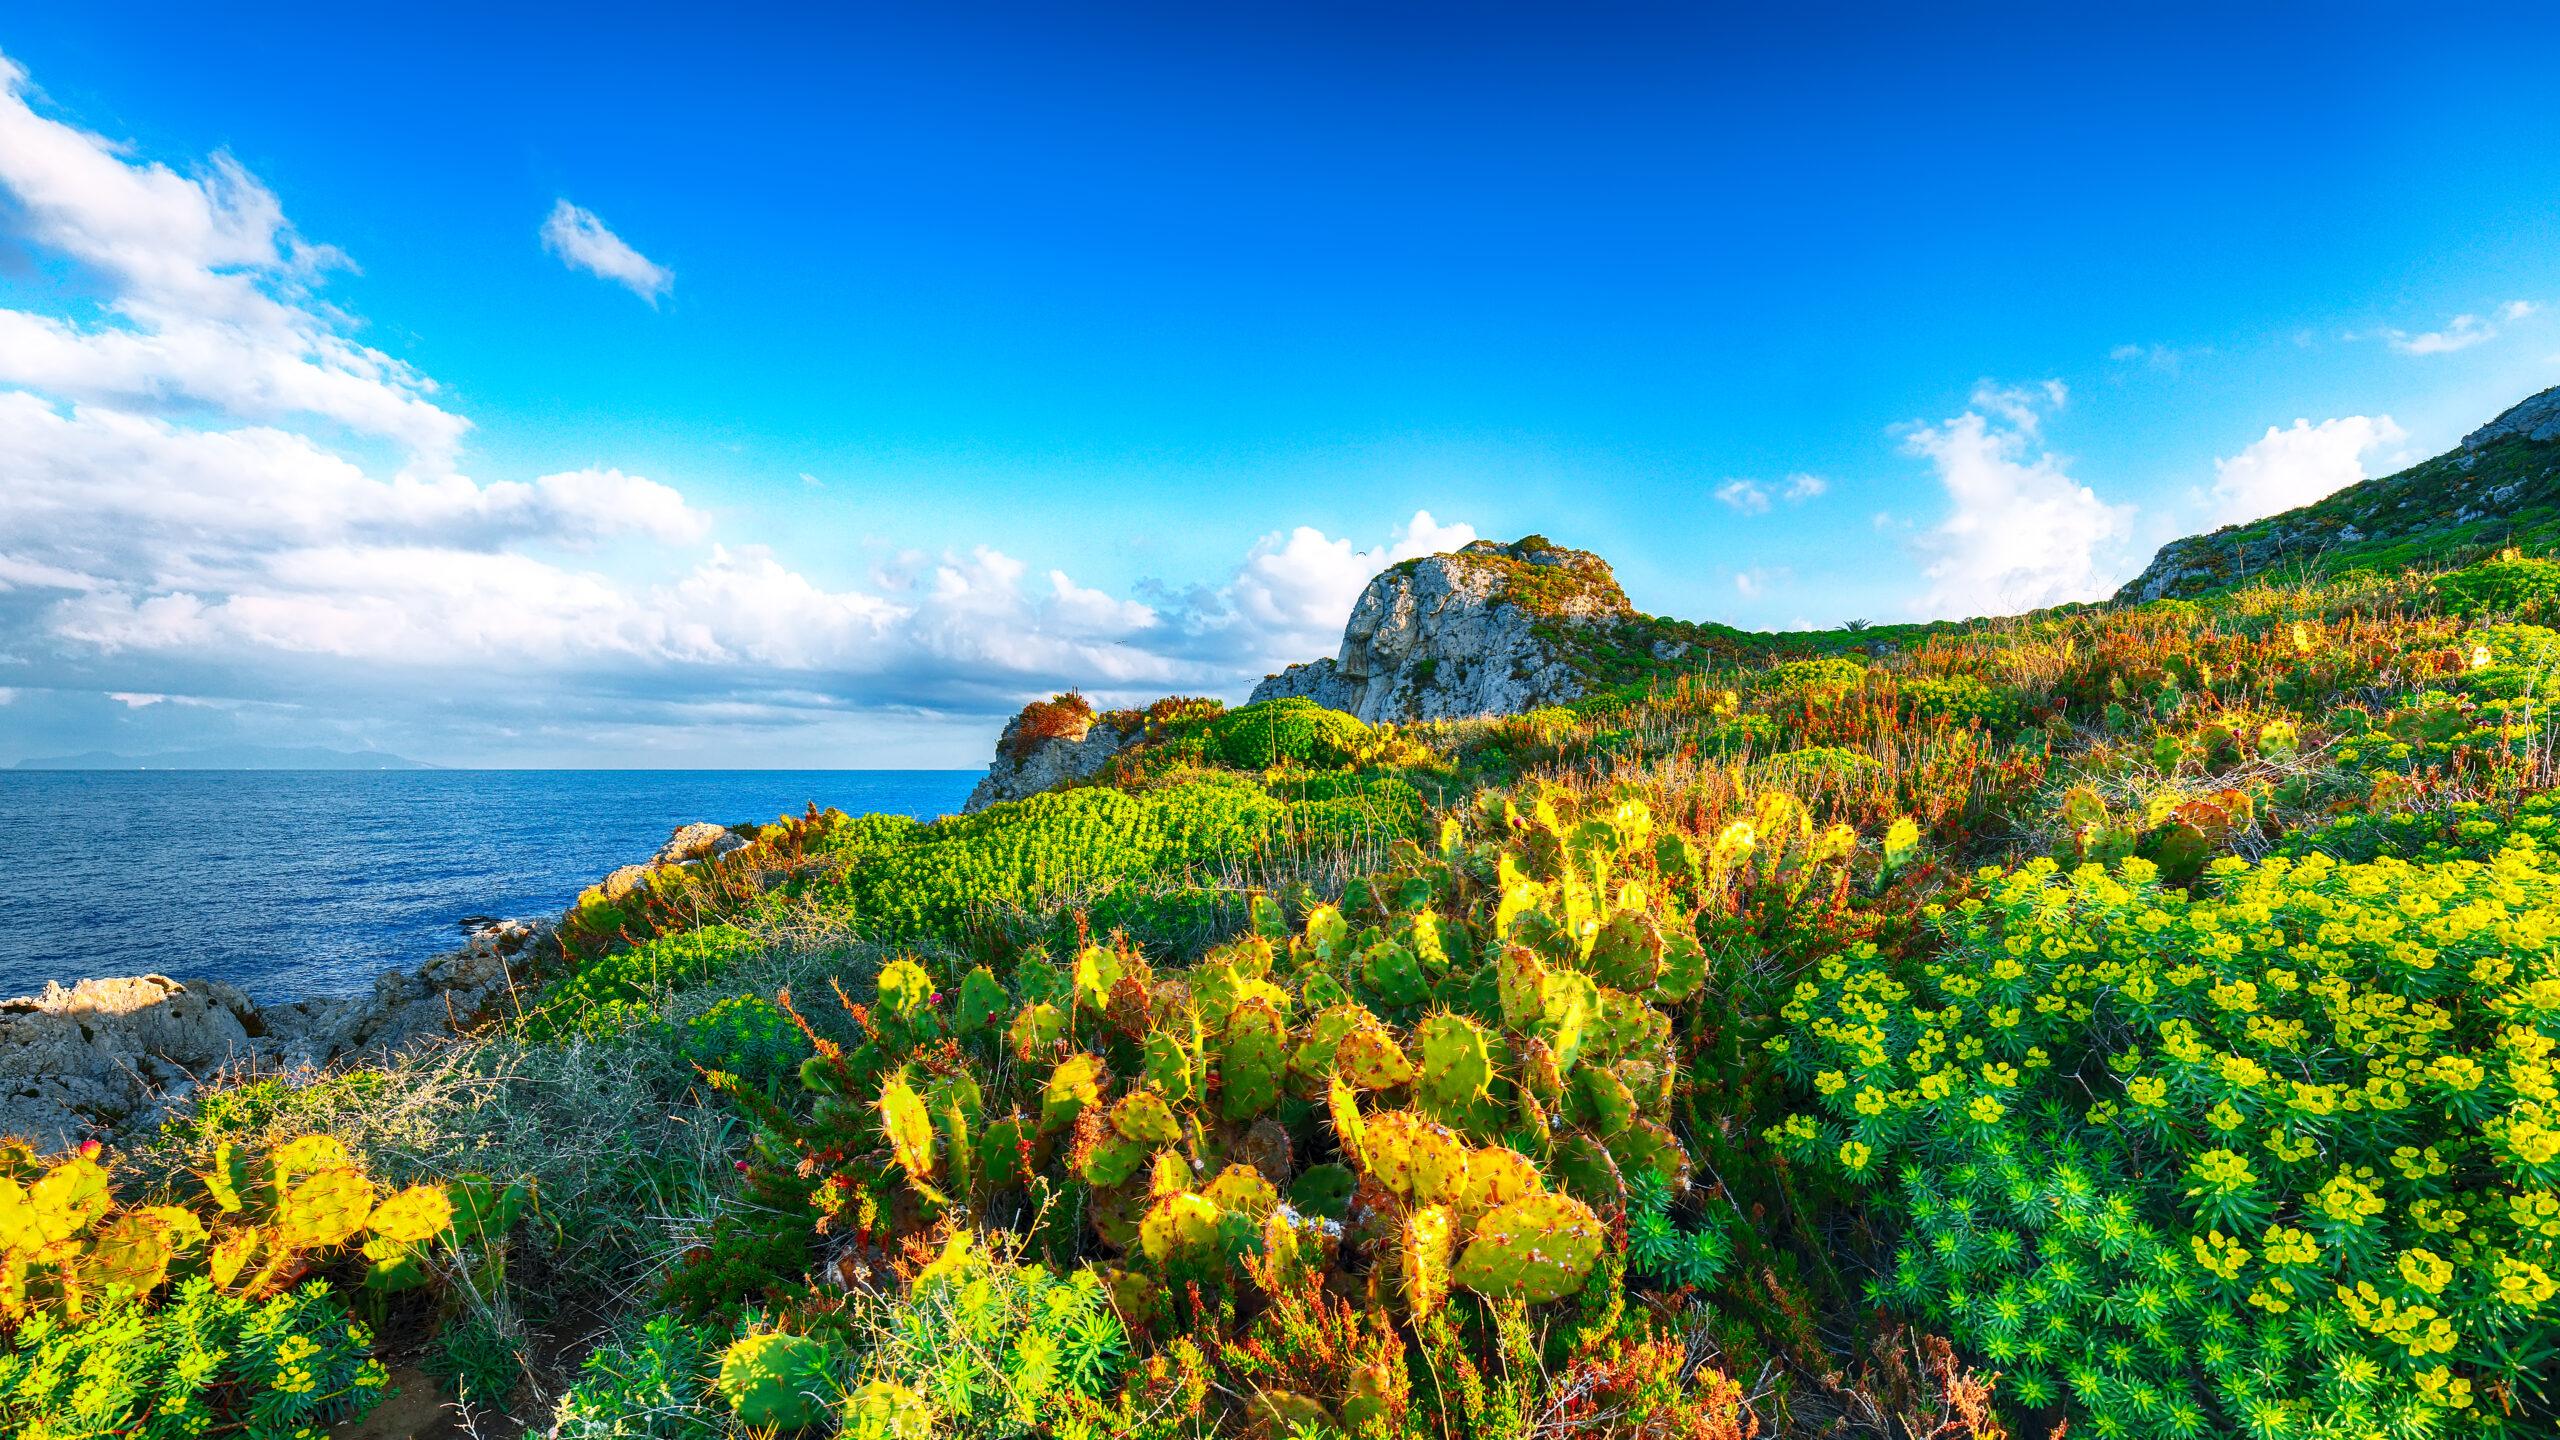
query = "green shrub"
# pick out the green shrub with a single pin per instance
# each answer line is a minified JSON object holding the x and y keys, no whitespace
{"x":610,"y":994}
{"x":2506,"y":586}
{"x":653,"y":1385}
{"x":1962,"y":700}
{"x":747,"y":1036}
{"x":1001,"y":1350}
{"x":204,"y":1363}
{"x":1292,"y":730}
{"x":2284,"y":1154}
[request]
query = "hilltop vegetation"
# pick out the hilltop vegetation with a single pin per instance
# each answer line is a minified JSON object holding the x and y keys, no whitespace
{"x":2139,"y":1019}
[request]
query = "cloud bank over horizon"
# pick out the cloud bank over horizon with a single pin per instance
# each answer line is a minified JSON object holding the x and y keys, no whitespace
{"x":229,"y":515}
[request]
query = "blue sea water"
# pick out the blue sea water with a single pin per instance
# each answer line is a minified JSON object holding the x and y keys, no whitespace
{"x":290,"y":883}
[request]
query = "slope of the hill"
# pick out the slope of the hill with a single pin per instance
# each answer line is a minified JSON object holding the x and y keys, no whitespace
{"x":2501,"y":488}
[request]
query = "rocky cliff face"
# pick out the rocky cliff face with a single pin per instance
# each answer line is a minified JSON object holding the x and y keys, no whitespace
{"x":2501,"y":488}
{"x":1488,"y":630}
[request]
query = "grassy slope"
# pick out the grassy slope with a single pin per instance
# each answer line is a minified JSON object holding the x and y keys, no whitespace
{"x":2456,"y":507}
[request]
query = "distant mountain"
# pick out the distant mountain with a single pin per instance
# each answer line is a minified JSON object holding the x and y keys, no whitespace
{"x":2500,"y":488}
{"x":231,"y":757}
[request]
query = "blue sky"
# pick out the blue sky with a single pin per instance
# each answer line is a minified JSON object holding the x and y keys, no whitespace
{"x":888,"y":368}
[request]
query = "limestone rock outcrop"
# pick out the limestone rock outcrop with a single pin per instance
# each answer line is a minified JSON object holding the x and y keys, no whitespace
{"x":1025,"y":766}
{"x":1488,"y":630}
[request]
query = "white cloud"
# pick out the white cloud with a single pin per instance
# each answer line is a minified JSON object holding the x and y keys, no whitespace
{"x":1748,"y":496}
{"x":207,"y":294}
{"x":1294,"y":591}
{"x":2286,"y":468}
{"x":2459,"y":333}
{"x":1757,"y":582}
{"x":583,"y":243}
{"x":2022,"y":532}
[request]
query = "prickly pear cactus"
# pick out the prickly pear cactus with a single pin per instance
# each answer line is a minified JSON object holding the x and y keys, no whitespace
{"x":1568,"y":1002}
{"x":1172,"y":1066}
{"x":325,"y":1209}
{"x":1539,"y":1248}
{"x":983,"y":1001}
{"x":415,"y":1215}
{"x":1457,"y":1063}
{"x":1075,"y":1084}
{"x":1250,"y":1056}
{"x":1627,"y":952}
{"x":1370,"y":1058}
{"x":906,"y":991}
{"x":1496,"y":1176}
{"x":908,"y":1129}
{"x":1180,"y":1228}
{"x":1523,"y":980}
{"x":1394,"y":974}
{"x":1037,"y":1028}
{"x":1423,"y":1258}
{"x":1142,"y":1116}
{"x":1414,"y":1157}
{"x":1684,"y":968}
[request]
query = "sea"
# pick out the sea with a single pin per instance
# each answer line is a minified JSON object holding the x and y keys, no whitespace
{"x":294,"y":883}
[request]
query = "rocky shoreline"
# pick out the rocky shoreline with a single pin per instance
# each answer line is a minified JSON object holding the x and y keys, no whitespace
{"x":106,"y":1056}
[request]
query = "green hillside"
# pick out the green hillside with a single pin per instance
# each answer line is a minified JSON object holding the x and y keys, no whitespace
{"x":2500,"y":488}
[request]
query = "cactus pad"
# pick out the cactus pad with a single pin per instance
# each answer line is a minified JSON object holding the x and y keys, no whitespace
{"x":1370,"y":1058}
{"x":1423,"y":1256}
{"x":1496,"y":1176}
{"x":1242,"y":1190}
{"x":982,"y":1001}
{"x":1075,"y":1084}
{"x":1179,"y":1228}
{"x":1457,"y":1062}
{"x":908,"y":1128}
{"x":1037,"y":1028}
{"x":1250,"y":1056}
{"x":906,"y":991}
{"x":1538,"y":1248}
{"x":416,"y":1214}
{"x":69,"y":1199}
{"x":325,"y":1209}
{"x":1143,"y":1116}
{"x":1522,"y":978}
{"x":1627,"y":951}
{"x":1394,"y":974}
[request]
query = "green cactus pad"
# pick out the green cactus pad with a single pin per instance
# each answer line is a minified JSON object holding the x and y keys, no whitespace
{"x":1326,"y":932}
{"x":908,"y":1127}
{"x":1568,"y":1003}
{"x":1457,"y":1063}
{"x":1010,"y":1152}
{"x":906,"y":990}
{"x":1684,"y":968}
{"x":1423,"y":1255}
{"x":1266,"y":918}
{"x":1321,"y":1038}
{"x":1170,"y":1066}
{"x":1539,"y":1248}
{"x":1627,"y":953}
{"x":1370,"y":1058}
{"x":1648,"y":1145}
{"x":1097,"y":971}
{"x":1249,"y":1057}
{"x":1179,"y":1228}
{"x":1496,"y":1176}
{"x":1111,"y":1161}
{"x":1415,"y":1157}
{"x":1584,"y":1167}
{"x":1075,"y":1084}
{"x":1037,"y":1028}
{"x":1243,"y":1190}
{"x":1522,"y":979}
{"x":325,"y":1209}
{"x":1609,"y":1104}
{"x":69,"y":1198}
{"x":983,"y":1001}
{"x":1323,"y":1191}
{"x":1143,"y":1116}
{"x":1394,"y":974}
